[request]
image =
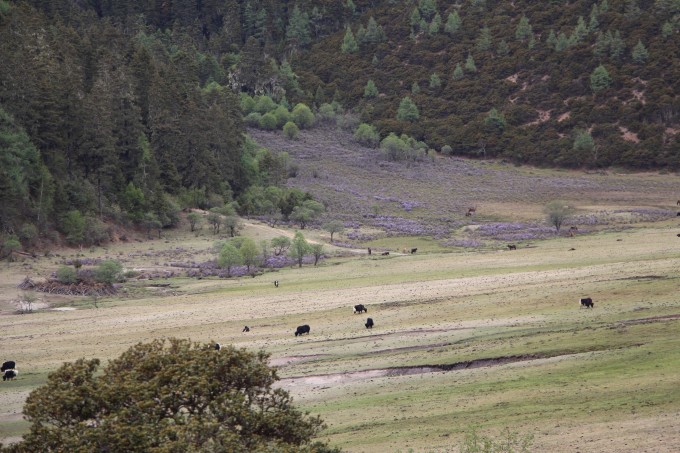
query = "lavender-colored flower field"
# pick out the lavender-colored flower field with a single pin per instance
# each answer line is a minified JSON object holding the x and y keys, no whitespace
{"x":430,"y":198}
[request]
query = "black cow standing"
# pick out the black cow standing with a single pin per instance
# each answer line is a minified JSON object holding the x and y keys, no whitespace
{"x":360,"y":309}
{"x":302,"y":329}
{"x":586,"y":302}
{"x":413,"y":251}
{"x":8,"y":365}
{"x":369,"y":323}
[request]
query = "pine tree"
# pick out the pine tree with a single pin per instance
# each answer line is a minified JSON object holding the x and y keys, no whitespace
{"x":374,"y":32}
{"x":407,"y":111}
{"x":457,"y":72}
{"x":436,"y":24}
{"x":580,"y":32}
{"x":470,"y":64}
{"x":349,"y":44}
{"x":552,"y":39}
{"x":523,"y":30}
{"x":453,"y":23}
{"x":593,"y":23}
{"x":370,"y":90}
{"x":617,"y":46}
{"x":298,"y":33}
{"x":640,"y":53}
{"x":428,"y":8}
{"x":600,"y":79}
{"x":503,"y":49}
{"x":483,"y":42}
{"x":435,"y":81}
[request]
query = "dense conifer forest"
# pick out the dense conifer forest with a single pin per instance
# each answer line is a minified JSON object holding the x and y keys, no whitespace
{"x":125,"y":111}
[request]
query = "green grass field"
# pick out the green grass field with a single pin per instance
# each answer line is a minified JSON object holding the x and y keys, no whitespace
{"x":490,"y":338}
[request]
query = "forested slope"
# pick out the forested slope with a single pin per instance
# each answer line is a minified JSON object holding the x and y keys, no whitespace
{"x":123,"y":110}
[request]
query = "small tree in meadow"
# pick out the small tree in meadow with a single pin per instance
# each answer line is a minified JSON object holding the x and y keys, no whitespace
{"x":557,"y":212}
{"x":299,"y":247}
{"x":280,"y":244}
{"x":229,"y":257}
{"x":249,"y":252}
{"x":307,"y":212}
{"x":194,"y":219}
{"x":317,"y":251}
{"x":334,"y":226}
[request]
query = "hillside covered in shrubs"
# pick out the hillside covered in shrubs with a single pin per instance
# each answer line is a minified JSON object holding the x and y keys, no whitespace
{"x":128,"y":111}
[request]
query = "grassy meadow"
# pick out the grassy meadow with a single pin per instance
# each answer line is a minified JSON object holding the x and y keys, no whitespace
{"x":464,"y":336}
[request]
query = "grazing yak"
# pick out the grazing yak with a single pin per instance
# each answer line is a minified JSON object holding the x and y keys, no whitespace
{"x":217,"y":346}
{"x":276,"y":283}
{"x":385,"y":253}
{"x":369,"y":323}
{"x":8,"y":365}
{"x":512,"y":247}
{"x":360,"y":309}
{"x":9,"y":375}
{"x":586,"y":302}
{"x":414,"y":251}
{"x":246,"y":329}
{"x":302,"y":329}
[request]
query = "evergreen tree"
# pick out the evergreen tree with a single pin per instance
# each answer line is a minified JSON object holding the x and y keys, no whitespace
{"x":370,"y":90}
{"x":415,"y":88}
{"x":374,"y":32}
{"x":551,"y":41}
{"x":435,"y":25}
{"x":428,"y":8}
{"x":407,"y":111}
{"x":453,"y":23}
{"x":617,"y":46}
{"x":483,"y":41}
{"x":457,"y":72}
{"x":415,"y":19}
{"x":562,"y":42}
{"x":470,"y":64}
{"x":640,"y":53}
{"x":349,"y":44}
{"x":503,"y":49}
{"x":495,"y":121}
{"x":435,"y":81}
{"x":298,"y":32}
{"x":601,"y":44}
{"x":593,"y":23}
{"x":600,"y":79}
{"x":580,"y":32}
{"x":523,"y":30}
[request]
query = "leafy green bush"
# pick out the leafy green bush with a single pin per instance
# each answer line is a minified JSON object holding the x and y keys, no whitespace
{"x":367,"y":135}
{"x":252,"y":119}
{"x":268,"y":121}
{"x":109,"y":271}
{"x":302,"y":116}
{"x":291,"y":130}
{"x":67,"y":275}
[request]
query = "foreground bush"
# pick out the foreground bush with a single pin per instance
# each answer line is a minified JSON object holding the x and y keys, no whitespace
{"x":168,"y":396}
